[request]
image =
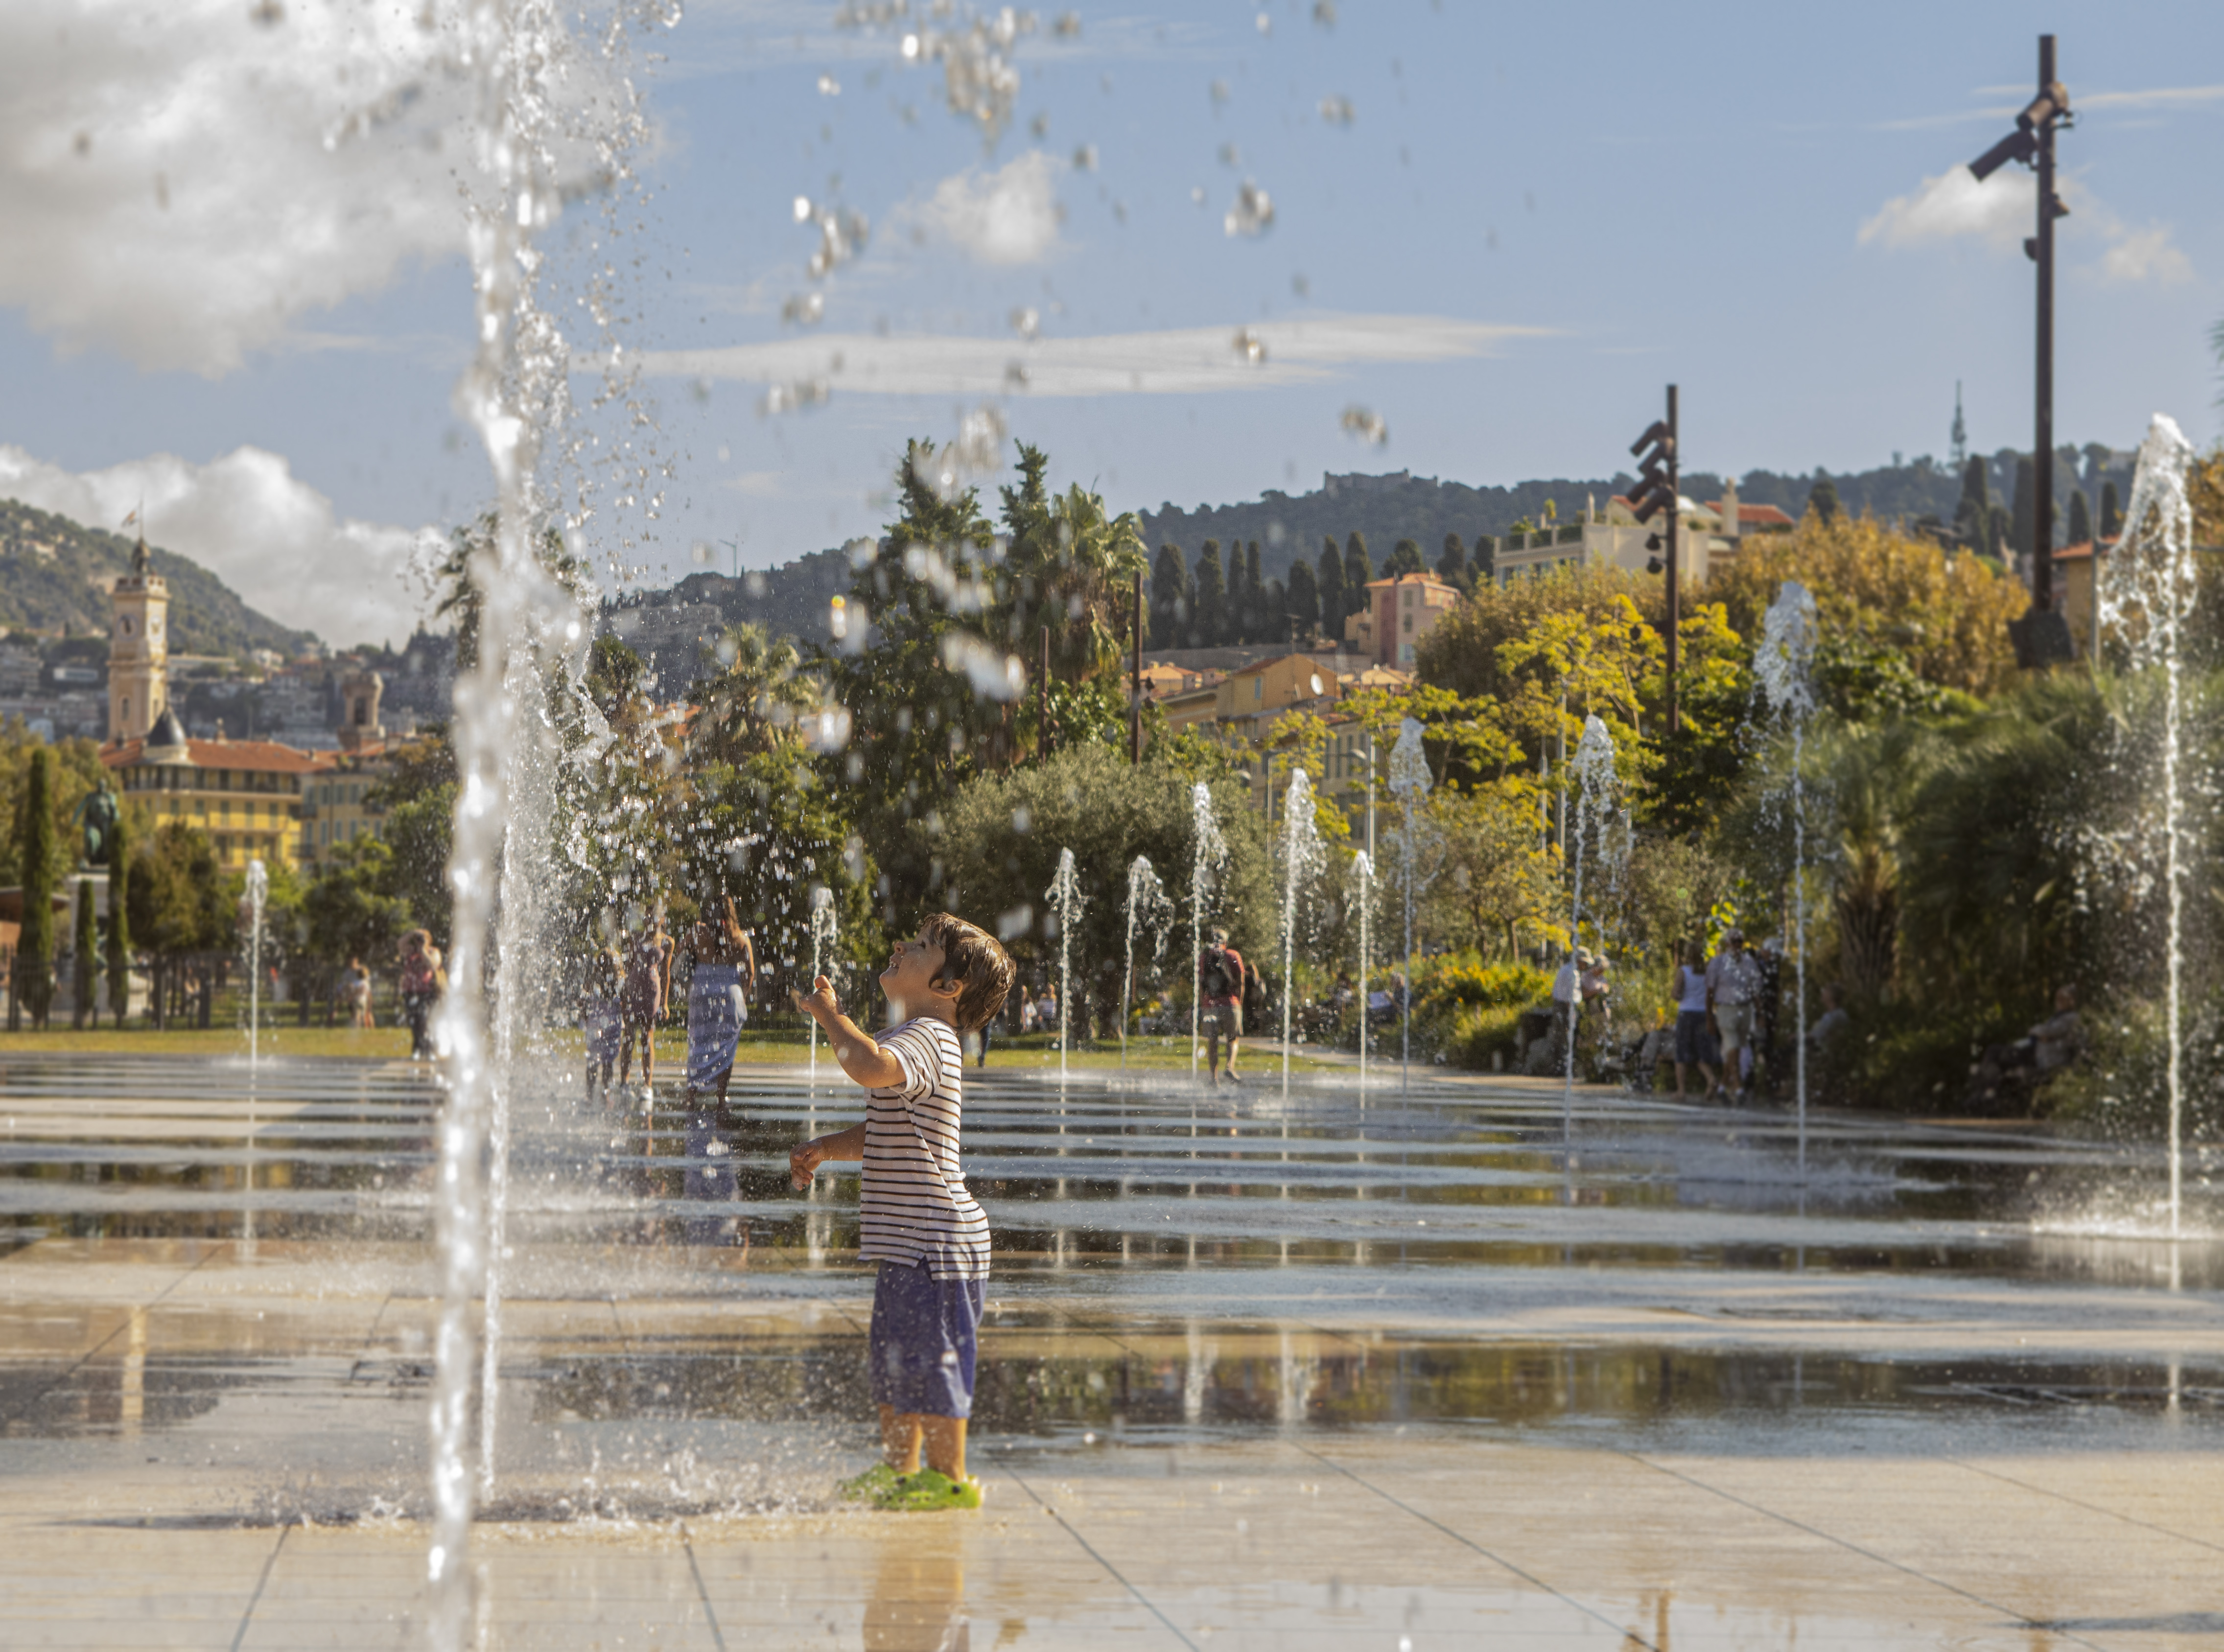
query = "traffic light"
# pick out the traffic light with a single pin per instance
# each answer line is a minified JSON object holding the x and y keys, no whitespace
{"x":1654,"y":487}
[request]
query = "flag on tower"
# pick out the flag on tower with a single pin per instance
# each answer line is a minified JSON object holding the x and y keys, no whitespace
{"x":130,"y":519}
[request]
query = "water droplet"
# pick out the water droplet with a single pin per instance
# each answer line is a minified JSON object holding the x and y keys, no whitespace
{"x":829,"y":86}
{"x":1365,"y":425}
{"x":1253,"y":213}
{"x":1250,"y":346}
{"x":1337,"y":111}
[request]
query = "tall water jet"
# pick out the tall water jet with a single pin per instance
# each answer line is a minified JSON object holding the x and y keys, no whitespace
{"x":1065,"y":898}
{"x":1784,"y":666}
{"x":1409,"y":784}
{"x":1146,"y":904}
{"x":258,"y":892}
{"x":1362,"y":879}
{"x":2149,"y":586}
{"x":1301,"y":860}
{"x":824,"y":929}
{"x":1208,"y":849}
{"x":1595,"y":778}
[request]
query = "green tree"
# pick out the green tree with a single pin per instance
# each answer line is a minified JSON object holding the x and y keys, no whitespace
{"x":1069,"y":566}
{"x":1171,"y":603}
{"x":1277,"y":606}
{"x":927,"y":699}
{"x":119,"y":919}
{"x":2080,"y":519}
{"x":38,"y":857}
{"x":1358,"y":572}
{"x":1485,"y":560}
{"x":84,"y":957}
{"x":752,"y":698}
{"x":1972,"y":515}
{"x":180,"y":904}
{"x":348,"y":911}
{"x":1238,"y":598}
{"x":1404,"y":558}
{"x":1334,"y":605}
{"x":2111,"y":510}
{"x":1210,"y":629}
{"x":1498,"y":879}
{"x":1257,"y":626}
{"x":1004,"y":832}
{"x":1303,"y":601}
{"x":1451,"y":566}
{"x":1823,"y":498}
{"x":420,"y":834}
{"x":472,"y":553}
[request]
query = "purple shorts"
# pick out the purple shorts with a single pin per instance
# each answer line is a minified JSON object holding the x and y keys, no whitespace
{"x":922,"y":1343}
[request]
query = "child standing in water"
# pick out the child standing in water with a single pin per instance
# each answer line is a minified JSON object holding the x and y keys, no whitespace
{"x":919,"y":1221}
{"x":598,"y":1019}
{"x":718,"y":1002}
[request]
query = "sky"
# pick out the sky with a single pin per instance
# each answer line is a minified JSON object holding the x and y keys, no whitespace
{"x":1229,"y":247}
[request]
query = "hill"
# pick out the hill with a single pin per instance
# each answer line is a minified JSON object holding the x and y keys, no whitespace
{"x":56,"y":573}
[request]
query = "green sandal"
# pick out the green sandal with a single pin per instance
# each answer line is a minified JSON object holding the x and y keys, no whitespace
{"x":930,"y":1490}
{"x":875,"y":1483}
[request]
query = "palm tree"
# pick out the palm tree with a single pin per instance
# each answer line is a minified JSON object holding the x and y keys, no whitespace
{"x":1071,"y":566}
{"x":755,"y":699}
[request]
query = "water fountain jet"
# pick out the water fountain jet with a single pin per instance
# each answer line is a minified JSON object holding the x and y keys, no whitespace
{"x":1783,"y":664}
{"x":1208,"y":851}
{"x":1066,"y":900}
{"x":1146,"y":903}
{"x":1409,"y":782}
{"x":1301,"y":857}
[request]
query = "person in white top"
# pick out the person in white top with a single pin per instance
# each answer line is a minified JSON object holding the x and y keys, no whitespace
{"x":1691,"y":1022}
{"x":916,"y":1220}
{"x":1732,"y":985}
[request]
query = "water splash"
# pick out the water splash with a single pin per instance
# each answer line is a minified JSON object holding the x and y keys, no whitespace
{"x":1595,"y":809}
{"x":824,"y":929}
{"x":1148,"y":905}
{"x":1208,"y":854}
{"x":1783,"y":666}
{"x":1067,"y":900}
{"x":1409,"y":783}
{"x":258,"y":892}
{"x":2147,"y":591}
{"x":1359,"y":887}
{"x":1301,"y":864}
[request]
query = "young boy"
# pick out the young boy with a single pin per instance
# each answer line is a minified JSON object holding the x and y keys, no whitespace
{"x":919,"y":1221}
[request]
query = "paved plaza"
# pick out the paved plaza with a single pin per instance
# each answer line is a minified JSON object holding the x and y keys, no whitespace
{"x":1433,"y":1369}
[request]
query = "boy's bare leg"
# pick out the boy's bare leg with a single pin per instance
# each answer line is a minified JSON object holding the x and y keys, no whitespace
{"x":944,"y":1439}
{"x":1232,"y":1042}
{"x":900,"y":1440}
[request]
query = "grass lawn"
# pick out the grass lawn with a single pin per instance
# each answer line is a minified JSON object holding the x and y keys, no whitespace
{"x":1034,"y":1051}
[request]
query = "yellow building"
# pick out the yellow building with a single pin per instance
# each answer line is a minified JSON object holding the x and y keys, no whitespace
{"x":247,"y":795}
{"x":333,"y":809}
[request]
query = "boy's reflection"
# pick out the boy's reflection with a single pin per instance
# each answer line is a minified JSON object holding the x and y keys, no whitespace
{"x":709,"y":1176}
{"x":918,"y":1602}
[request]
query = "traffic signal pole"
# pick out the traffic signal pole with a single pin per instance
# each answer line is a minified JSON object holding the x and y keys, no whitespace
{"x":1674,"y":515}
{"x":2042,"y":457}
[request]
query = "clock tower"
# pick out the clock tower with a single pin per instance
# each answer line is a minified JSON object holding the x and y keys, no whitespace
{"x":138,"y":649}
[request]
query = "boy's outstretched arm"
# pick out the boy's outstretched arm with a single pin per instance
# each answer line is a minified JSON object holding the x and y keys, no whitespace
{"x":863,"y":1060}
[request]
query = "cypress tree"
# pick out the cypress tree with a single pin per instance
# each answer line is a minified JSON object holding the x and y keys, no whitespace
{"x":1209,"y":610}
{"x":2024,"y":521}
{"x":34,"y":951}
{"x":1333,"y":607}
{"x":1485,"y":560}
{"x":1170,"y":598}
{"x":1274,"y":603}
{"x":1404,"y":558}
{"x":119,"y":922}
{"x":1303,"y":601}
{"x":1258,"y":607}
{"x":1451,"y":567}
{"x":1237,"y":604}
{"x":2111,"y":510}
{"x":2080,"y":519}
{"x":1822,"y":498}
{"x":86,"y":956}
{"x":1977,"y":501}
{"x":1358,"y":571}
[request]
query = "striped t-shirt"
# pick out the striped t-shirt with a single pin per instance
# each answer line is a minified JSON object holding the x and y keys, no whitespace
{"x":913,"y":1203}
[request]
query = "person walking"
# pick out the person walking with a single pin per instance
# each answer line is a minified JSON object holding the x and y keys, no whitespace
{"x":1220,"y":978}
{"x":1691,"y":1022}
{"x":1733,"y":984}
{"x":421,"y":981}
{"x":642,"y":1001}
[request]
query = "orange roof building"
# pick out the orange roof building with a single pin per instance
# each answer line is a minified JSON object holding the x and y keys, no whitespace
{"x":247,"y":795}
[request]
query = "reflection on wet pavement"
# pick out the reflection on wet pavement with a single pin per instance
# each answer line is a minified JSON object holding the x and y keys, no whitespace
{"x":215,"y":1308}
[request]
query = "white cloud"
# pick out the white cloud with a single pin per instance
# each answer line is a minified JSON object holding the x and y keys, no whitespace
{"x":1955,"y":203}
{"x":1184,"y":361}
{"x":2146,"y":255}
{"x":248,"y":518}
{"x":180,"y":182}
{"x":1999,"y":211}
{"x":1010,"y":216}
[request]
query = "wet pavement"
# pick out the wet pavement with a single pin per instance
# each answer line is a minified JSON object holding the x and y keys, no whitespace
{"x":1432,"y":1368}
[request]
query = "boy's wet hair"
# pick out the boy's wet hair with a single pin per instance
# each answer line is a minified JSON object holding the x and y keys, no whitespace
{"x":972,"y":958}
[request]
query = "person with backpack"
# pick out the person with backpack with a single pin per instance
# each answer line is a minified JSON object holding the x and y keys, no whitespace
{"x":1221,"y":977}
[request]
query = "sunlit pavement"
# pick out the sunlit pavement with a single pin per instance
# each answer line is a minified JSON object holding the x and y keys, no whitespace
{"x":1258,"y":1372}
